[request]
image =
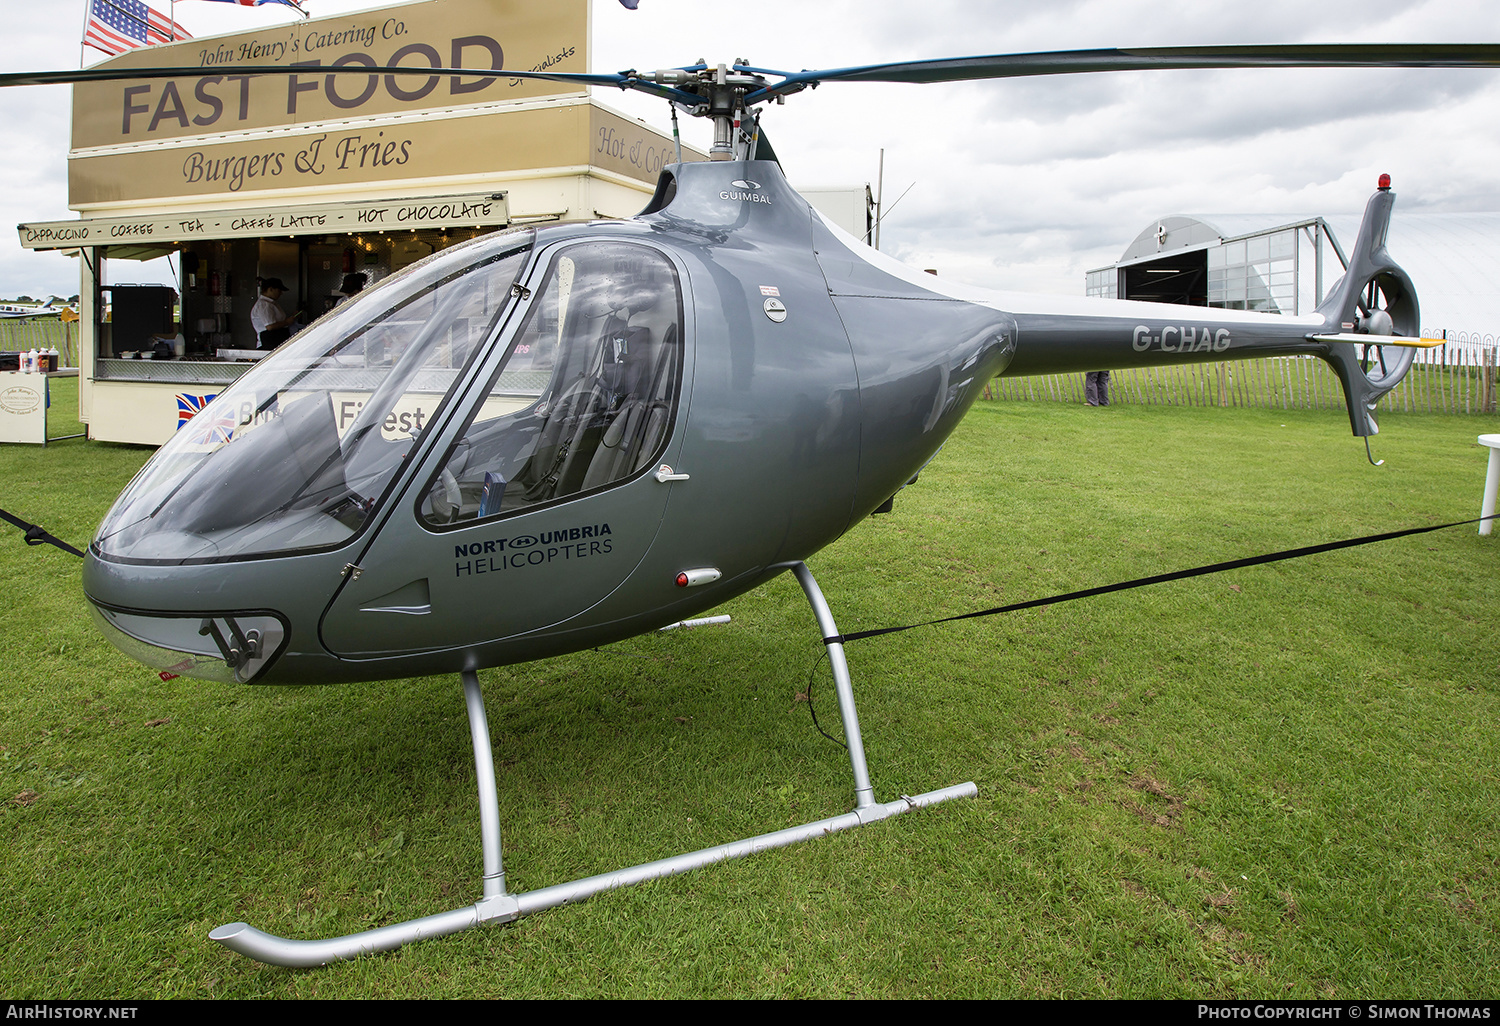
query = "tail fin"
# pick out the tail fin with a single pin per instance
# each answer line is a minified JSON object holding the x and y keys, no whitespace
{"x":1375,"y":297}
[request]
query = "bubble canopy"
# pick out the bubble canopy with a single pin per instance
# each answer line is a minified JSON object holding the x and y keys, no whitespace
{"x":301,"y":450}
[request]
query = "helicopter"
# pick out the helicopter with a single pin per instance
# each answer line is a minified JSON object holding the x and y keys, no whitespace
{"x":546,"y":440}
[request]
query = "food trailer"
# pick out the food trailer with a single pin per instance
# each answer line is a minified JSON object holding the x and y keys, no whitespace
{"x":308,"y":177}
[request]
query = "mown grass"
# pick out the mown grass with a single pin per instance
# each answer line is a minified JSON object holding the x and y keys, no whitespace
{"x":1277,"y":782}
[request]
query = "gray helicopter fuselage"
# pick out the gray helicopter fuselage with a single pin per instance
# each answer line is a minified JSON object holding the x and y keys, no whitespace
{"x":816,"y":378}
{"x":795,"y":419}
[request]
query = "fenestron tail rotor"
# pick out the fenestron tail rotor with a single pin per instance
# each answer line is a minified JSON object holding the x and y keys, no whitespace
{"x":1386,"y":359}
{"x":1373,"y":309}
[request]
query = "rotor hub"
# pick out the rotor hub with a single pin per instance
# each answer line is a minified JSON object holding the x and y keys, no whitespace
{"x":718,"y":93}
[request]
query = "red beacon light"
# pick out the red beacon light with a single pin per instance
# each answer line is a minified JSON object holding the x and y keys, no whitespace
{"x":1385,"y":182}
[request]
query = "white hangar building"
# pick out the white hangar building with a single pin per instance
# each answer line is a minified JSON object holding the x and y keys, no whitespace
{"x":1285,"y":263}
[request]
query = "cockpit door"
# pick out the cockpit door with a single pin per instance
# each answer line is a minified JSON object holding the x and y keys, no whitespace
{"x":542,"y":498}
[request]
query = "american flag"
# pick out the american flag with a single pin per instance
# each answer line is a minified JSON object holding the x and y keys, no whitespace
{"x":115,"y":26}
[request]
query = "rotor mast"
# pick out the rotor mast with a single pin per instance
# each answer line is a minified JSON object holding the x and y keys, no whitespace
{"x":717,"y":93}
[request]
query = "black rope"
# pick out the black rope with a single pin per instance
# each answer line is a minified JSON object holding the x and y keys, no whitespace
{"x":36,"y":535}
{"x":1178,"y":575}
{"x":816,"y":663}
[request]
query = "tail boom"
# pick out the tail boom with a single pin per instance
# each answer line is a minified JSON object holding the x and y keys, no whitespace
{"x":1371,"y":309}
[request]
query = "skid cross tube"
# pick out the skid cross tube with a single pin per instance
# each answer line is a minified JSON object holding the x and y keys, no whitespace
{"x":497,"y":906}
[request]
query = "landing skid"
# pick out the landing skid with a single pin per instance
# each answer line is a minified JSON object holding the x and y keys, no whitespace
{"x":498,"y":906}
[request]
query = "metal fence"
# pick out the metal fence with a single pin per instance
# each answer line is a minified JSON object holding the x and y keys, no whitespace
{"x":1457,"y":377}
{"x":18,"y":334}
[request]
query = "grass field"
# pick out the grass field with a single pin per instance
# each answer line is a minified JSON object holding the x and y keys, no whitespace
{"x":1277,"y":782}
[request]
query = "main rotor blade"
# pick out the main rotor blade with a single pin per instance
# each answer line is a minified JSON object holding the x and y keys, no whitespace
{"x":957,"y":69}
{"x":621,"y":80}
{"x":112,"y":74}
{"x":1155,"y":58}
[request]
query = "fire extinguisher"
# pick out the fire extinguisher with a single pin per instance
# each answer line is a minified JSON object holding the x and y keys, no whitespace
{"x":213,"y":284}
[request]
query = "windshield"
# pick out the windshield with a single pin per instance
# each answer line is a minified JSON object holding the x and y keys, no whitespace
{"x":297,"y":454}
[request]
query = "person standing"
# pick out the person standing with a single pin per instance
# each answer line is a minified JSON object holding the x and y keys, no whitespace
{"x":354,"y":284}
{"x":271,"y":328}
{"x":1096,"y":388}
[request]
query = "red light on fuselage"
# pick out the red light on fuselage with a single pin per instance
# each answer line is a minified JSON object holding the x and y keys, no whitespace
{"x":1385,"y":181}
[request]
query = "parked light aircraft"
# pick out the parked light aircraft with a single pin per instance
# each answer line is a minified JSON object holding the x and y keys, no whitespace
{"x":15,"y":311}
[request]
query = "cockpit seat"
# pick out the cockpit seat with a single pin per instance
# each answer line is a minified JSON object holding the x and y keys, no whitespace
{"x":635,"y":430}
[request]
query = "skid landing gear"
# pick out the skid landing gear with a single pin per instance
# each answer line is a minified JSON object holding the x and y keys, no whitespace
{"x":499,"y":906}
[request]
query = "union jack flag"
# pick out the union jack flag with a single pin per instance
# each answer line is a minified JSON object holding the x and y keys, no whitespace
{"x":115,"y":26}
{"x":189,"y":406}
{"x":210,"y":430}
{"x":257,"y":3}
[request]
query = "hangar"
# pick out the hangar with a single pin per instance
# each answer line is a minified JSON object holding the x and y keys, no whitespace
{"x":1286,"y":263}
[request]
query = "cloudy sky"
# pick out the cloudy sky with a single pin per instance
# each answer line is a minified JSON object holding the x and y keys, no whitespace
{"x":1015,"y":185}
